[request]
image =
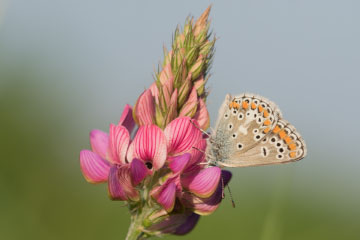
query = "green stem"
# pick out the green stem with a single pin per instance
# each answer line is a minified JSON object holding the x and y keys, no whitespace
{"x":135,"y":231}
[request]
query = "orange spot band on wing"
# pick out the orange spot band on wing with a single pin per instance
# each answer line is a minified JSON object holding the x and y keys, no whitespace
{"x":267,"y":122}
{"x":282,"y":134}
{"x":292,"y":146}
{"x":287,"y":139}
{"x":266,"y":113}
{"x":266,"y":130}
{"x":236,"y":105}
{"x":260,"y":108}
{"x":276,"y":129}
{"x":253,"y":105}
{"x":245,"y":105}
{"x":292,"y":154}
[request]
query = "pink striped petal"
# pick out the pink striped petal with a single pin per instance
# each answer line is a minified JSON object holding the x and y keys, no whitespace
{"x":177,"y":164}
{"x":202,"y":115}
{"x":94,"y":168}
{"x":206,"y":206}
{"x":127,"y":119}
{"x":138,"y":171}
{"x":119,"y":184}
{"x":188,"y":225}
{"x":145,"y":108}
{"x":197,"y":154}
{"x":181,"y":135}
{"x":165,"y":194}
{"x":99,"y":142}
{"x":190,"y":106}
{"x":119,"y":142}
{"x":202,"y":183}
{"x":149,"y":145}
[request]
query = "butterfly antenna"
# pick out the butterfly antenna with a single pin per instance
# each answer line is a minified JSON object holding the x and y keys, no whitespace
{"x":231,"y":197}
{"x":204,"y":132}
{"x":222,"y":188}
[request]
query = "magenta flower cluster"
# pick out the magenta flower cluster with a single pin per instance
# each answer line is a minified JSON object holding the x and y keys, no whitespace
{"x":127,"y":165}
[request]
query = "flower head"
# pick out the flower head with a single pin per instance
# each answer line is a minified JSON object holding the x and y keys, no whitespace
{"x":160,"y":172}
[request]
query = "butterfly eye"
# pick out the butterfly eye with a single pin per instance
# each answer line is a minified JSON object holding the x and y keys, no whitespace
{"x":241,"y":116}
{"x":230,"y":126}
{"x":239,"y":146}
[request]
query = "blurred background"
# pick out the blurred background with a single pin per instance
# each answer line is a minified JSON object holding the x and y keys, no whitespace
{"x":67,"y":67}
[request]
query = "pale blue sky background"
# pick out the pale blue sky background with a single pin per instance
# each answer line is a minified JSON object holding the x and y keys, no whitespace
{"x":95,"y":56}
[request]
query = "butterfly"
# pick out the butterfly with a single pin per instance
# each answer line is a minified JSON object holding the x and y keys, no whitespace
{"x":250,"y":131}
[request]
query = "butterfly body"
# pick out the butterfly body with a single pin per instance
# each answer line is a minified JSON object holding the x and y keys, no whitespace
{"x":250,"y":131}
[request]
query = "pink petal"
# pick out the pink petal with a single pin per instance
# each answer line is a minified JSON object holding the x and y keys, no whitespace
{"x":206,"y":206}
{"x":197,"y":154}
{"x":167,"y":89}
{"x":154,"y":92}
{"x":181,"y":135}
{"x":188,"y":225}
{"x":165,"y":194}
{"x":172,"y":112}
{"x":138,"y":171}
{"x":177,"y":164}
{"x":145,"y":109}
{"x":176,"y":223}
{"x":190,"y":106}
{"x":202,"y":115}
{"x":94,"y":168}
{"x":119,"y":142}
{"x":119,"y":184}
{"x":149,"y":145}
{"x":99,"y":142}
{"x":166,"y":74}
{"x":202,"y":183}
{"x":127,"y":119}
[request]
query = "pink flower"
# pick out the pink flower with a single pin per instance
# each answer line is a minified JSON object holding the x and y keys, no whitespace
{"x":107,"y":160}
{"x":178,"y":224}
{"x":186,"y":173}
